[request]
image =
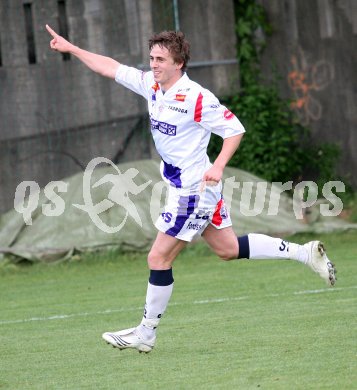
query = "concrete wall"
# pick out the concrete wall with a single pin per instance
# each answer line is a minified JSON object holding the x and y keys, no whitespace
{"x":209,"y":26}
{"x":56,"y":115}
{"x":314,"y":48}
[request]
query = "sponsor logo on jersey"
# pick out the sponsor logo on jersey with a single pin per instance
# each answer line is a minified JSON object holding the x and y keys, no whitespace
{"x":183,"y":89}
{"x":180,"y":110}
{"x":194,"y":226}
{"x":203,"y":214}
{"x":228,"y":114}
{"x":156,"y":87}
{"x":180,"y":98}
{"x":215,"y":106}
{"x":163,"y":127}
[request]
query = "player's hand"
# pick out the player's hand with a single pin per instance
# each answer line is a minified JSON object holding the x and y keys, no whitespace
{"x":58,"y":43}
{"x":212,"y":177}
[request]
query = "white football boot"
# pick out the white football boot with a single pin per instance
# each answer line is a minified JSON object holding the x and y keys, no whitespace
{"x":319,"y":262}
{"x":129,"y":338}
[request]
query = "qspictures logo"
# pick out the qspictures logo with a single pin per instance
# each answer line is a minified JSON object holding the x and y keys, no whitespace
{"x":119,"y":189}
{"x":122,"y":186}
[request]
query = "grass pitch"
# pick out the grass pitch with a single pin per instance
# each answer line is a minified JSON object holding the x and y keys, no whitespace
{"x":239,"y":325}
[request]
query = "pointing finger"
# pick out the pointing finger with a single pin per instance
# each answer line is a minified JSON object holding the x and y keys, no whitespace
{"x":52,"y":32}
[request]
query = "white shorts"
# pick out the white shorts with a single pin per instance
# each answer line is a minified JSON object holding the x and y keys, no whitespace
{"x":187,"y":215}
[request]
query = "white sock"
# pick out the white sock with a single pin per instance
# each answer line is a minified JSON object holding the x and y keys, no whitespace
{"x":157,"y":299}
{"x":262,"y":246}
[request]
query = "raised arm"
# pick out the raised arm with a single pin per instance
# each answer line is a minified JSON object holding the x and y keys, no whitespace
{"x":103,"y":65}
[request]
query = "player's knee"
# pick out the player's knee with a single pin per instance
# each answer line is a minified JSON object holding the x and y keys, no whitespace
{"x":157,"y":261}
{"x":226,"y":254}
{"x":153,"y":260}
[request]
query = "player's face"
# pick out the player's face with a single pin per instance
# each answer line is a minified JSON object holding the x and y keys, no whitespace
{"x":166,"y":71}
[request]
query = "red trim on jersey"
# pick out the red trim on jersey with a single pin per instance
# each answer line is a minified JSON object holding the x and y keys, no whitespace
{"x":198,"y":108}
{"x":217,"y":217}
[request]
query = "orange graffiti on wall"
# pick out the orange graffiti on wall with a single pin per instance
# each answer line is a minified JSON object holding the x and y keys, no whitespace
{"x":304,"y":79}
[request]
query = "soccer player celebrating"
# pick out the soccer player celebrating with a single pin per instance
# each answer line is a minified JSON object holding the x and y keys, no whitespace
{"x":183,"y":115}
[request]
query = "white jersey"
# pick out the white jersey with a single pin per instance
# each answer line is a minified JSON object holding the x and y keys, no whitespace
{"x":182,"y":120}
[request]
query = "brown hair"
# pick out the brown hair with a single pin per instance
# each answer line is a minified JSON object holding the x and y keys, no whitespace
{"x":175,"y":43}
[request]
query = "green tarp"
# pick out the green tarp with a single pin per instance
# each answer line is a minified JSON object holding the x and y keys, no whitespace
{"x":128,"y":199}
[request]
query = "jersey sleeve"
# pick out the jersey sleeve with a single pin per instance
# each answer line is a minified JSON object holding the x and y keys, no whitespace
{"x":134,"y":79}
{"x":215,"y":117}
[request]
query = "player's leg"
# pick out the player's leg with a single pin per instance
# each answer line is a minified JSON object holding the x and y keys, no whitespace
{"x":159,"y":289}
{"x":161,"y":282}
{"x":312,"y":254}
{"x":260,"y":246}
{"x":164,"y":251}
{"x":222,"y":241}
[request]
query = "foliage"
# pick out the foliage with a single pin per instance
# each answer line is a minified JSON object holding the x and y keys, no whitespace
{"x":251,"y":27}
{"x":275,"y":147}
{"x":270,"y":147}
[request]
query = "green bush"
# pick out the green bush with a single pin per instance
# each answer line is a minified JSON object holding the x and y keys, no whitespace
{"x":270,"y":147}
{"x":275,"y":146}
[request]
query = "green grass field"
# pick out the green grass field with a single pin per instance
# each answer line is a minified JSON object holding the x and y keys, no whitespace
{"x":238,"y":325}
